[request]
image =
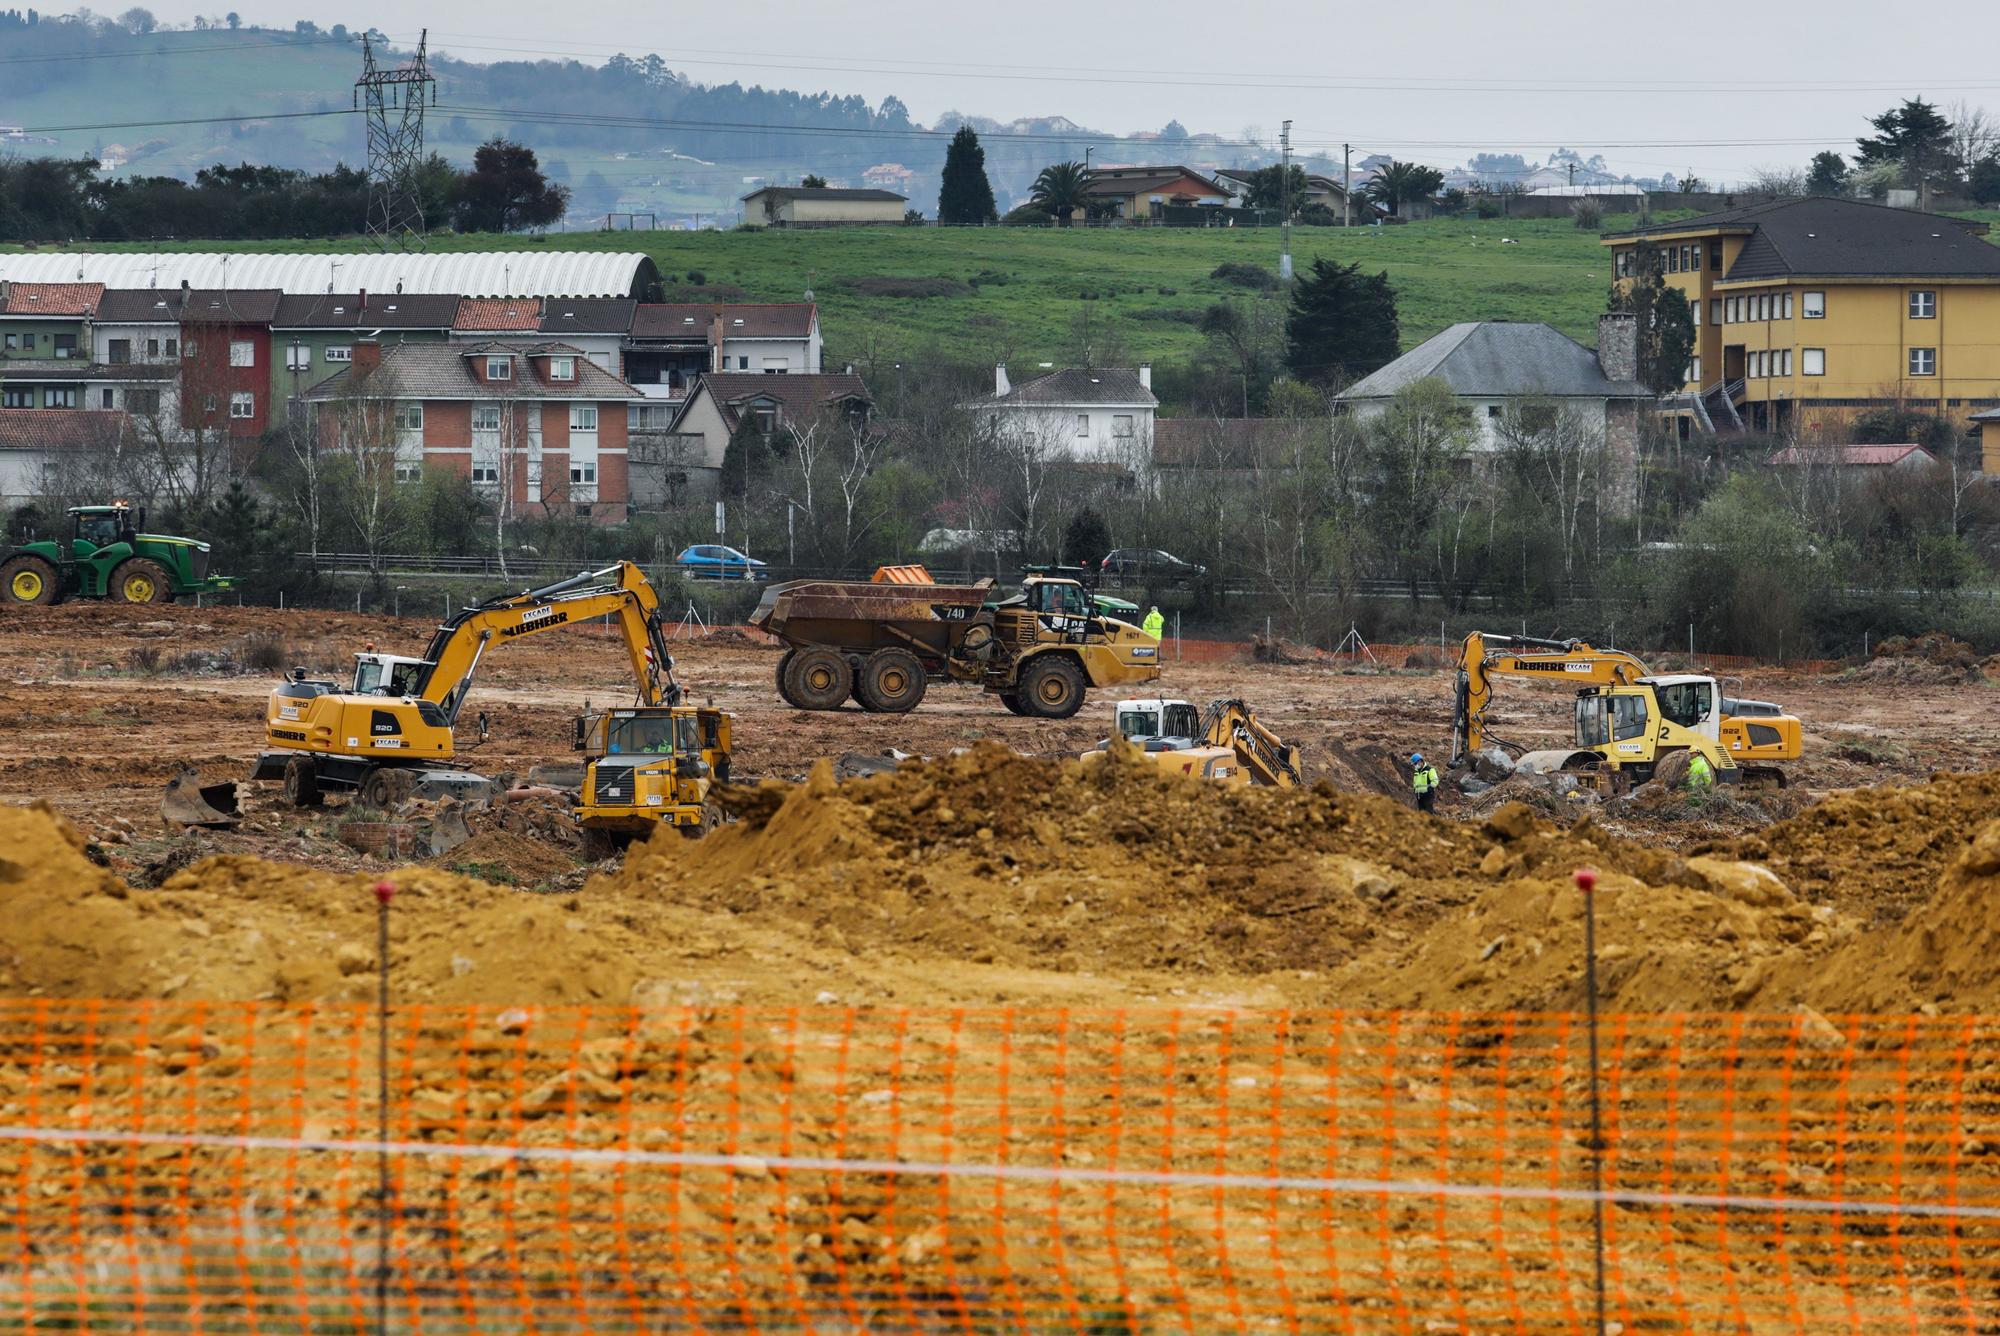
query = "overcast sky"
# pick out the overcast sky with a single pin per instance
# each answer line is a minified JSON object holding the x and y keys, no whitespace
{"x":1717,"y":88}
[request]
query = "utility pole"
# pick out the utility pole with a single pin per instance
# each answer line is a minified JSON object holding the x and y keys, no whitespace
{"x":1347,"y":185}
{"x":1285,"y":201}
{"x":1572,"y":173}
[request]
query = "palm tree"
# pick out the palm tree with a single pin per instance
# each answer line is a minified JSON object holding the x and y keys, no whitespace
{"x":1403,"y":183}
{"x":1060,"y":190}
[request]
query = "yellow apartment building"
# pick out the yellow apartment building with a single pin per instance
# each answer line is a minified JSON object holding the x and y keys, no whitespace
{"x":1809,"y":311}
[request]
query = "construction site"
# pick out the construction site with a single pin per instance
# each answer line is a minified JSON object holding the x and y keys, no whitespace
{"x":977,"y":973}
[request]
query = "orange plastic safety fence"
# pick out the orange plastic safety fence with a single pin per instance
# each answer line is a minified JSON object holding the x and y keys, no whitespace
{"x":175,"y":1166}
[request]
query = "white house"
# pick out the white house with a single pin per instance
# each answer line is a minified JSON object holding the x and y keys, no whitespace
{"x":1093,"y":414}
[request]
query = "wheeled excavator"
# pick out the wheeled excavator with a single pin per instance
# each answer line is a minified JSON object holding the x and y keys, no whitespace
{"x":1226,"y":743}
{"x":1627,"y":719}
{"x":389,"y":736}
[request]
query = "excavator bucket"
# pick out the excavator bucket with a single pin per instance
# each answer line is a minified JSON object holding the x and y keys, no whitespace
{"x":189,"y":802}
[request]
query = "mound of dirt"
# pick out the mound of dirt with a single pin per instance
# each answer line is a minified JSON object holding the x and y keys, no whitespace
{"x":501,"y":856}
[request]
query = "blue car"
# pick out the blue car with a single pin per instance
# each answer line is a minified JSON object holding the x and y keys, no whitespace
{"x":713,"y":561}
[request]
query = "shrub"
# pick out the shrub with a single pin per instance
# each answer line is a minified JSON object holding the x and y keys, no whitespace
{"x":1487,"y":207}
{"x":1245,"y":275}
{"x":146,"y":659}
{"x":266,"y":654}
{"x":1588,"y":213}
{"x":697,"y":277}
{"x":884,"y":286}
{"x":990,"y":278}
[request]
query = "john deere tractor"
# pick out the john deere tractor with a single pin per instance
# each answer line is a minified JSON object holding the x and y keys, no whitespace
{"x":107,"y":557}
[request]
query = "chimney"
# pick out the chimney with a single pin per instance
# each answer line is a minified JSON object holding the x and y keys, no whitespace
{"x":1618,"y":345}
{"x":716,"y":360}
{"x":367,"y":355}
{"x":1000,"y":385}
{"x":1146,"y":375}
{"x":362,"y":305}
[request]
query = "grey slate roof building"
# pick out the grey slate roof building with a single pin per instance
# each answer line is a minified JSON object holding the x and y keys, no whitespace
{"x":1824,"y":238}
{"x":588,"y":315}
{"x":364,"y":310}
{"x":441,"y":371}
{"x":1499,"y":359}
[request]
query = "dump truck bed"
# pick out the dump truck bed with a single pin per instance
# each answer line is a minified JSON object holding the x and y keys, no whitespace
{"x":859,"y":614}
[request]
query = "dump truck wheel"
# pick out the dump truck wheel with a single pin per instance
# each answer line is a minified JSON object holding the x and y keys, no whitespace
{"x":28,"y":580}
{"x":891,"y":681}
{"x":1051,"y":688}
{"x":711,"y":817}
{"x":140,"y":581}
{"x":820,"y":679}
{"x":784,"y":679}
{"x":302,"y":783}
{"x":1012,"y":701}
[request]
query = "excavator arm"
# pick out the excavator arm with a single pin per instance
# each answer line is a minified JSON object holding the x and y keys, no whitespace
{"x":1485,"y":657}
{"x":1229,"y":723}
{"x":621,"y":591}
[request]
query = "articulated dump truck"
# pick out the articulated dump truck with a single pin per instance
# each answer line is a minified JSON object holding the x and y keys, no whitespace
{"x":883,"y":641}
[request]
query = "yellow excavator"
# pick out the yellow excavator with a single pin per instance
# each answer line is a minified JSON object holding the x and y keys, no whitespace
{"x":389,"y":735}
{"x":1226,"y":743}
{"x":1627,"y":719}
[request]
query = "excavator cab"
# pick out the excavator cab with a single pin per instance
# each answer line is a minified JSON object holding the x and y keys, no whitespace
{"x":388,"y":675}
{"x":1158,"y":725}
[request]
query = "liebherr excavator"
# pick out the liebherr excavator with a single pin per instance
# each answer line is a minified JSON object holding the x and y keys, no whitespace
{"x":389,"y":735}
{"x":1627,"y":720}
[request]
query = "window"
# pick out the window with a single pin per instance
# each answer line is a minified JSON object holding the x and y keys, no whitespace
{"x":208,"y":403}
{"x":562,"y":368}
{"x":1083,"y":424}
{"x":118,"y":352}
{"x":1674,"y":254}
{"x":1493,"y":410}
{"x":486,"y":471}
{"x":13,"y":341}
{"x":742,"y":364}
{"x":1715,"y":310}
{"x":142,"y":401}
{"x":107,"y":398}
{"x":1786,"y":358}
{"x":242,"y":404}
{"x":242,"y":352}
{"x":1730,"y":309}
{"x":15,"y":396}
{"x":173,"y":348}
{"x":1923,"y":306}
{"x":1813,"y":306}
{"x":1755,"y":368}
{"x":59,"y":398}
{"x":1694,"y":257}
{"x":409,"y":472}
{"x":486,"y":417}
{"x":583,"y":475}
{"x":1788,"y":307}
{"x":340,"y":352}
{"x":1621,"y":264}
{"x":1715,"y":258}
{"x":1923,"y":361}
{"x":1693,"y":376}
{"x":648,"y":417}
{"x":298,"y":357}
{"x":776,"y":366}
{"x":409,"y":417}
{"x":65,"y":347}
{"x":1121,"y":425}
{"x":583,"y":417}
{"x":499,"y":368}
{"x":1694,"y":310}
{"x":152,"y":348}
{"x":1812,"y":361}
{"x":1628,"y":718}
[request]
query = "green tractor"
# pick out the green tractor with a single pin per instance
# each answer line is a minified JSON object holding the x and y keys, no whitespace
{"x":107,"y":557}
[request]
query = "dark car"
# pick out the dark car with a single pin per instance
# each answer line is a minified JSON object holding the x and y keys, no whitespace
{"x":713,"y":561}
{"x":1149,"y":565}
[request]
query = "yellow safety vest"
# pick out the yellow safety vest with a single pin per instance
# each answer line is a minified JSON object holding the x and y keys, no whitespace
{"x":1700,"y":773}
{"x":1155,"y":625}
{"x":1425,"y":779}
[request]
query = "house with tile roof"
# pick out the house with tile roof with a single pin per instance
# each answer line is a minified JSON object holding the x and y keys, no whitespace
{"x":1082,"y":414}
{"x":1148,"y":192}
{"x":535,"y":426}
{"x":36,"y":443}
{"x":670,"y":344}
{"x":687,"y":455}
{"x":1810,"y":311}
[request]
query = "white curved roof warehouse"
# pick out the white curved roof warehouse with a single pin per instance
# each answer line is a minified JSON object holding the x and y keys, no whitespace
{"x":466,"y":273}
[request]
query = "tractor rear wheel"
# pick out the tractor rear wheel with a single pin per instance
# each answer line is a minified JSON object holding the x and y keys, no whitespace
{"x":302,"y":782}
{"x":1052,"y":688}
{"x":820,"y":679}
{"x":784,"y":679}
{"x":891,"y":681}
{"x":28,"y":580}
{"x":141,"y":581}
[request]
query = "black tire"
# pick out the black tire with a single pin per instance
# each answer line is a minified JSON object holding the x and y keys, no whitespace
{"x":891,"y":681}
{"x":141,"y":581}
{"x":784,"y":671}
{"x":1052,"y":687}
{"x":820,"y":679}
{"x":28,"y":580}
{"x":302,"y":783}
{"x":711,"y":817}
{"x":1013,"y":702}
{"x":385,"y":787}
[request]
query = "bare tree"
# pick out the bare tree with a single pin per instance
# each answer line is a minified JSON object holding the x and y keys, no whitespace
{"x":832,"y":460}
{"x":1974,"y":137}
{"x":1784,"y":182}
{"x":1559,"y":452}
{"x":1303,"y":535}
{"x":361,"y":432}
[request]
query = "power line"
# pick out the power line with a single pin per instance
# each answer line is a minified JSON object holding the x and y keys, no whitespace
{"x":175,"y":51}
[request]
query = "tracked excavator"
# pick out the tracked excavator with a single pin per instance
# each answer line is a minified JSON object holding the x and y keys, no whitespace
{"x":388,"y":736}
{"x":1627,"y":719}
{"x":1226,"y":743}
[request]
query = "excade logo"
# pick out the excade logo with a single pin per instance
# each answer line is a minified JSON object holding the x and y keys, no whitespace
{"x":541,"y":619}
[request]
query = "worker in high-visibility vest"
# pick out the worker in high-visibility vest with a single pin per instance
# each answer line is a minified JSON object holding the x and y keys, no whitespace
{"x":1424,"y":779}
{"x":1155,"y":625}
{"x":1701,"y":775}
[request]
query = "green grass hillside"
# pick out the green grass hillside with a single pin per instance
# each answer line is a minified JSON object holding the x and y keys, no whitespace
{"x":1013,"y":292}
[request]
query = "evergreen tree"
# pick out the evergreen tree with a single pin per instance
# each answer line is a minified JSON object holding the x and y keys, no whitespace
{"x":966,"y":197}
{"x":1342,"y":324}
{"x":1086,"y":538}
{"x":1666,"y":322}
{"x":1914,"y":136}
{"x":1827,"y":175}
